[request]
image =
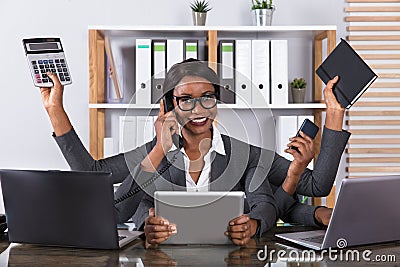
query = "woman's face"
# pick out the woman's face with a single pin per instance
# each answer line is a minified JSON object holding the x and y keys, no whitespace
{"x":198,"y":120}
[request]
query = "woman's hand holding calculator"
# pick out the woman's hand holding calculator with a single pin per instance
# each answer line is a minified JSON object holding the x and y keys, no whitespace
{"x":52,"y":98}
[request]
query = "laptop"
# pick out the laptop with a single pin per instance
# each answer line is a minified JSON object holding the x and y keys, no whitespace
{"x":200,"y":217}
{"x":62,"y":208}
{"x":366,"y":212}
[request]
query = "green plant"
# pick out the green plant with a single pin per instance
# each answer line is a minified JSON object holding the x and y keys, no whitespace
{"x":201,"y":6}
{"x":298,"y":83}
{"x":262,"y":4}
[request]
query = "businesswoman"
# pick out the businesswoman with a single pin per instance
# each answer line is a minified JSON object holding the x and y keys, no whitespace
{"x":193,"y":89}
{"x":199,"y":138}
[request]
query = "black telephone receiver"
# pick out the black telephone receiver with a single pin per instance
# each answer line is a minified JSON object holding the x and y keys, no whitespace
{"x":169,"y":106}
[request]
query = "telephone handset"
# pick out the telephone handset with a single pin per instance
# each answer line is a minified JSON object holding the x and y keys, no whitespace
{"x":176,"y":138}
{"x":178,"y":142}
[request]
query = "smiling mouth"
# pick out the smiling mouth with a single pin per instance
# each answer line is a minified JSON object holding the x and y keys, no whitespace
{"x":199,"y":120}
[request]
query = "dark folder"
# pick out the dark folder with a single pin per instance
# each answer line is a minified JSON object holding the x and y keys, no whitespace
{"x":355,"y":76}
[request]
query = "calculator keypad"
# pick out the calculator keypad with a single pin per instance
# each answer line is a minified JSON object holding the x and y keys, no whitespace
{"x":57,"y":65}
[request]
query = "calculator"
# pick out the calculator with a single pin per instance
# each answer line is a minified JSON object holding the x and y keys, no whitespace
{"x":46,"y":55}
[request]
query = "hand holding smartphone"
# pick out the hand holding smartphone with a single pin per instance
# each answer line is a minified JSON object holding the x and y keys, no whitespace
{"x":309,"y":129}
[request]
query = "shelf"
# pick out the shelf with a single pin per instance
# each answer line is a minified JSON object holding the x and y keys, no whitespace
{"x":126,"y":30}
{"x":220,"y":106}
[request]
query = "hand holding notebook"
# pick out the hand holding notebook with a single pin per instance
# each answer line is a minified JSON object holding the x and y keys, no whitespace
{"x":355,"y":76}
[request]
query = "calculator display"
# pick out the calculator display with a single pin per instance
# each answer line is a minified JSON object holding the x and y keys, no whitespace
{"x":46,"y":55}
{"x":43,"y":46}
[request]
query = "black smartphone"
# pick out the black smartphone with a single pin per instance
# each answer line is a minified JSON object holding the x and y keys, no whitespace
{"x":176,"y":139}
{"x":308,"y":128}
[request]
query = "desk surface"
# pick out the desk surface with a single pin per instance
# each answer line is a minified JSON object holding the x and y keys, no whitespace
{"x":196,"y":255}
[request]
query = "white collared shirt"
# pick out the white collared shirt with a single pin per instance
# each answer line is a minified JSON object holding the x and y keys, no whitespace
{"x":203,"y":182}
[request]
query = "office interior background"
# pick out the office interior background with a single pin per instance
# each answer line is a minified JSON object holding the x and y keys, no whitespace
{"x":26,"y":140}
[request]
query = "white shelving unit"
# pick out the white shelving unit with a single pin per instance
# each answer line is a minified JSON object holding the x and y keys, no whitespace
{"x":306,"y":49}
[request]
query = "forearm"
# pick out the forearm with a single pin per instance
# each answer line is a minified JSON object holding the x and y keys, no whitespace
{"x":151,"y":162}
{"x":334,"y":119}
{"x":59,"y":120}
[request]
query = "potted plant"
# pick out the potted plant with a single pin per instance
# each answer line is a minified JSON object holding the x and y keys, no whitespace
{"x":298,"y":86}
{"x":199,"y":12}
{"x":262,"y":12}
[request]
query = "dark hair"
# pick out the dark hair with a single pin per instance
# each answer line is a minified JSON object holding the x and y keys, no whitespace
{"x":189,"y":67}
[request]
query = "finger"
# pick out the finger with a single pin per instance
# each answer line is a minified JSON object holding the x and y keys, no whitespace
{"x":157,"y":220}
{"x":239,"y":220}
{"x":54,"y":78}
{"x":292,"y":152}
{"x":158,"y":235}
{"x":239,"y":235}
{"x":239,"y":227}
{"x":158,"y":228}
{"x":332,"y":82}
{"x":162,"y":110}
{"x":152,"y":212}
{"x":306,"y":137}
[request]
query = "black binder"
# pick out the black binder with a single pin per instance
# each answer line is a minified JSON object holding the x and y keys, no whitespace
{"x":355,"y":76}
{"x":226,"y":71}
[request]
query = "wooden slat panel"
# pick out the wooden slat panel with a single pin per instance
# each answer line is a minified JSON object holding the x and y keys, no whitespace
{"x":373,"y":169}
{"x":373,"y":160}
{"x":376,"y":47}
{"x":375,"y":131}
{"x":389,"y":75}
{"x":371,"y":18}
{"x":373,"y":1}
{"x":377,"y":104}
{"x":353,"y":141}
{"x":385,"y":85}
{"x":373,"y":28}
{"x":381,"y":94}
{"x":380,"y":56}
{"x":385,"y":66}
{"x":373,"y":122}
{"x":373,"y":37}
{"x":374,"y":113}
{"x":373,"y":150}
{"x":372,"y":9}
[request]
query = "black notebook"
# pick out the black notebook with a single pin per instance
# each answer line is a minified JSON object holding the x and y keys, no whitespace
{"x":355,"y":76}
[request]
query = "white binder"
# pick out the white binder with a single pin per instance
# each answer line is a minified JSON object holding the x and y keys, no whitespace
{"x":174,"y":52}
{"x":243,"y":73}
{"x":143,"y":71}
{"x":260,"y":95}
{"x":191,"y":49}
{"x":145,"y":129}
{"x":286,"y":127}
{"x":279,"y":72}
{"x":127,"y":133}
{"x":108,"y":147}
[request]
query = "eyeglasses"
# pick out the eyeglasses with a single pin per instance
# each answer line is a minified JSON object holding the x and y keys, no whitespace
{"x":186,"y":103}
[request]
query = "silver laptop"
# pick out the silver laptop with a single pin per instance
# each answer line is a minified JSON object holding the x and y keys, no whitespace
{"x":366,"y":212}
{"x":201,"y":217}
{"x":62,"y":208}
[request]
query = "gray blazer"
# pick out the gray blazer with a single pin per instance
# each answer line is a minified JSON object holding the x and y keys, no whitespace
{"x":312,"y":183}
{"x":235,"y":171}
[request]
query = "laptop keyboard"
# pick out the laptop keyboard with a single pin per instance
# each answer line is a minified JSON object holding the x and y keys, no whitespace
{"x":120,"y":237}
{"x":316,"y":239}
